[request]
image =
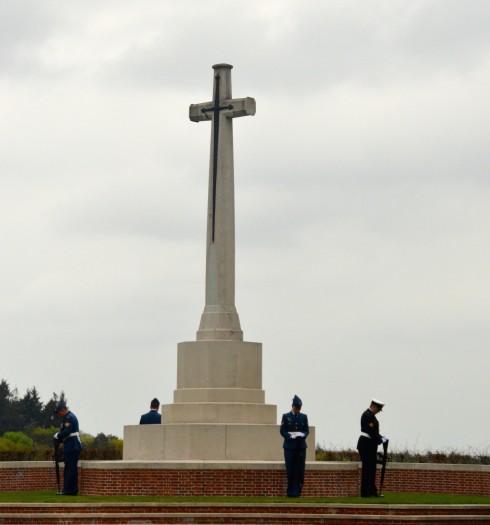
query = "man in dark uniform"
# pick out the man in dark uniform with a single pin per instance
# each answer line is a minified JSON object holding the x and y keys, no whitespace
{"x":69,"y":435}
{"x":152,"y":417}
{"x":295,"y":430}
{"x":367,"y":446}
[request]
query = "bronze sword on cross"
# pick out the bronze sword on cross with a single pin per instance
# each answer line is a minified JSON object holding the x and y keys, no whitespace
{"x":215,"y":109}
{"x":231,"y":108}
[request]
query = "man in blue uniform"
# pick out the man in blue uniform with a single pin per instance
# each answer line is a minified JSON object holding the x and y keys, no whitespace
{"x":367,"y":446}
{"x":295,"y":430}
{"x":69,"y":435}
{"x":152,"y":417}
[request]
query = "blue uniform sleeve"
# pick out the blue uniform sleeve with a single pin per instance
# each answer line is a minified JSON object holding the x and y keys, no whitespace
{"x":69,"y":425}
{"x":306,"y":429}
{"x":284,"y":428}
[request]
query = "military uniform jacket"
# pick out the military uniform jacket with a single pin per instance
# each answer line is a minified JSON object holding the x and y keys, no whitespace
{"x":68,"y":433}
{"x":151,"y":418}
{"x":370,"y":425}
{"x":294,"y":423}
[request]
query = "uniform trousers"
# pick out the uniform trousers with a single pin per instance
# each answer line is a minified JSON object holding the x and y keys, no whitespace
{"x":70,"y":474}
{"x":295,"y":470}
{"x":368,"y":451}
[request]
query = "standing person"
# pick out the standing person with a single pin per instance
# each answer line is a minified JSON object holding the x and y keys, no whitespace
{"x":152,"y":417}
{"x":295,"y":430}
{"x":69,"y":435}
{"x":367,"y":446}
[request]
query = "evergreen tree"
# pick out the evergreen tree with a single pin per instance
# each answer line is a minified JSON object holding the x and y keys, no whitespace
{"x":31,"y":410}
{"x":102,"y":440}
{"x":48,"y":418}
{"x":8,"y":417}
{"x":27,"y":413}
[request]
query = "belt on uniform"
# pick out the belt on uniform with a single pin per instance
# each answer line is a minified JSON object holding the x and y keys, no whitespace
{"x":366,"y":435}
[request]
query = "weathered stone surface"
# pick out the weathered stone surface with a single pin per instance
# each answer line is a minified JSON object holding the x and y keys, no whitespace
{"x":207,"y":441}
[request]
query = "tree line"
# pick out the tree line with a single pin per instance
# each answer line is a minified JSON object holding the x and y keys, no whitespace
{"x":27,"y":426}
{"x":22,"y":414}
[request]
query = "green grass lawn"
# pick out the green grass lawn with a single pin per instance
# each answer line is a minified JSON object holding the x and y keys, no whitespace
{"x":390,"y":498}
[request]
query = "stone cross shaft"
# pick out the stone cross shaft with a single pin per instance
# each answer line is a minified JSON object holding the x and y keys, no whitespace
{"x":220,"y":320}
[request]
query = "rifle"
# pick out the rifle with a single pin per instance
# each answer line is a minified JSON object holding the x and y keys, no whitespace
{"x":383,"y":462}
{"x":57,"y":458}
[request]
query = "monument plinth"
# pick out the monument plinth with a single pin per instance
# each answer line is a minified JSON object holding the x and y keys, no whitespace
{"x":219,"y":410}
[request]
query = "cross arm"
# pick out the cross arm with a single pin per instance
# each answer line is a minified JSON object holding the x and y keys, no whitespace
{"x":241,"y":107}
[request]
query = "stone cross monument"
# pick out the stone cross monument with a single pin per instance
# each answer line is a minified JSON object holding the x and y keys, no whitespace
{"x":219,"y":320}
{"x":219,"y":411}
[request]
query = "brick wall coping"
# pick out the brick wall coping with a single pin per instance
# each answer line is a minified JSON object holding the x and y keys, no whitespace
{"x":244,"y":465}
{"x":214,"y":465}
{"x":447,"y":467}
{"x":26,"y":464}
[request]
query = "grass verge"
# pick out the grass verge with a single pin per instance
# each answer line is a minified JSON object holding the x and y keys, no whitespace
{"x":390,"y":498}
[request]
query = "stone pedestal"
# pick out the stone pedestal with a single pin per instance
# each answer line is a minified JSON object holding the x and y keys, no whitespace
{"x":207,"y":442}
{"x":204,"y":442}
{"x":219,"y":410}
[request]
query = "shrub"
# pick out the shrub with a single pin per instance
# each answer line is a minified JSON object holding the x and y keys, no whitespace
{"x":474,"y":457}
{"x":43,"y":436}
{"x":15,"y":441}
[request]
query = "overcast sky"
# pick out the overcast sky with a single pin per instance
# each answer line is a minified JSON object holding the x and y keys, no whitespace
{"x":362,"y":205}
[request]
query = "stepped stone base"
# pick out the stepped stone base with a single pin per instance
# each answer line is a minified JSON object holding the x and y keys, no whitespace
{"x":204,"y":441}
{"x":219,"y":411}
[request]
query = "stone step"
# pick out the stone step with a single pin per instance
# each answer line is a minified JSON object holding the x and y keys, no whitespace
{"x":200,"y":513}
{"x":298,"y":507}
{"x":231,"y":518}
{"x":209,"y":413}
{"x":196,"y":519}
{"x":219,"y":395}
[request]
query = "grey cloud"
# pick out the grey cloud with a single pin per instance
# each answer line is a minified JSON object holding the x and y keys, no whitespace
{"x":140,"y":209}
{"x":309,"y":44}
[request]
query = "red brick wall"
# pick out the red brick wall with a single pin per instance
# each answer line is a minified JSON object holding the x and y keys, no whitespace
{"x":17,"y":478}
{"x":108,"y":479}
{"x":475,"y":482}
{"x":225,"y":482}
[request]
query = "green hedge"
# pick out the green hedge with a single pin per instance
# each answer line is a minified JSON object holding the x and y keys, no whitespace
{"x":471,"y":457}
{"x":46,"y":454}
